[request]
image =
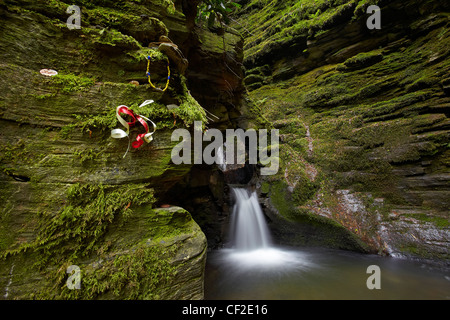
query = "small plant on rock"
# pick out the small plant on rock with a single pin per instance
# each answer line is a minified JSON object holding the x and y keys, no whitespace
{"x":215,"y":10}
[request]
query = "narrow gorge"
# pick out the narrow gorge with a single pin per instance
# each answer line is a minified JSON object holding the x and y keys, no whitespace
{"x":362,"y":115}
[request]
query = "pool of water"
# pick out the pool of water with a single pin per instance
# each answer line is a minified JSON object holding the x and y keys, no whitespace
{"x":312,"y":273}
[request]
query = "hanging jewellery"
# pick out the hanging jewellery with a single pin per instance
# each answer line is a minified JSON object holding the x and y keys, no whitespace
{"x":149,"y":76}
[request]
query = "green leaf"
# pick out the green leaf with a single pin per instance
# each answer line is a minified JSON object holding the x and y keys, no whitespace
{"x":210,"y":10}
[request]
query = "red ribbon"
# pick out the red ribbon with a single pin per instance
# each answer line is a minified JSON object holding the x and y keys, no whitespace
{"x":140,"y":138}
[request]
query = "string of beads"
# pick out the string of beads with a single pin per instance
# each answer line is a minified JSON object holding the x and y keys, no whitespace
{"x":149,"y":76}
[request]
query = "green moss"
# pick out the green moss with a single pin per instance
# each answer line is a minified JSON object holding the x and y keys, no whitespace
{"x":416,"y":250}
{"x":362,"y":5}
{"x":379,"y":110}
{"x":287,"y":206}
{"x":69,"y":83}
{"x":425,"y":81}
{"x":256,"y":114}
{"x":113,"y":38}
{"x":371,"y":117}
{"x":261,"y":71}
{"x":77,"y":229}
{"x":105,"y":121}
{"x":439,"y":222}
{"x":80,"y":227}
{"x":290,"y":126}
{"x":158,"y":113}
{"x":88,"y":155}
{"x":189,"y":110}
{"x":108,"y":17}
{"x":254,"y":78}
{"x":276,"y":23}
{"x":12,"y":152}
{"x":318,"y":229}
{"x":364,"y":59}
{"x":265,"y":187}
{"x":14,"y":155}
{"x":349,"y":118}
{"x":304,"y":190}
{"x":143,"y":54}
{"x":410,"y":249}
{"x":139,"y":274}
{"x":282,"y":201}
{"x":45,"y":96}
{"x":7,"y":237}
{"x":125,"y":249}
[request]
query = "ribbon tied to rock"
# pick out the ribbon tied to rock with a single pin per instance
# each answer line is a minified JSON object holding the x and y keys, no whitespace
{"x":141,"y":138}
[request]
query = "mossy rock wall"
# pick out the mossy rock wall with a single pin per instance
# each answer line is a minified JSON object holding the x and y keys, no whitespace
{"x":69,"y":196}
{"x":369,"y":147}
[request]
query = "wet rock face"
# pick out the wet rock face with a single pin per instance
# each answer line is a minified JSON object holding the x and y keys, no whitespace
{"x":216,"y":76}
{"x":411,"y":232}
{"x":374,"y":105}
{"x":60,"y":168}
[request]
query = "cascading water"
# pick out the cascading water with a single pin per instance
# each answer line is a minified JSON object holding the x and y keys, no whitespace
{"x":220,"y":159}
{"x":254,"y":268}
{"x":250,"y":239}
{"x":249,"y":230}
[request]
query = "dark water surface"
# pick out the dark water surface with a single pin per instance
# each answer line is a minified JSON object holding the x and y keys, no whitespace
{"x":312,"y":273}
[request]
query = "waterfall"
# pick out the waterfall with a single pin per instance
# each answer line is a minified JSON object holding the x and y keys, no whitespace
{"x":249,"y":229}
{"x":220,"y":159}
{"x":251,"y":244}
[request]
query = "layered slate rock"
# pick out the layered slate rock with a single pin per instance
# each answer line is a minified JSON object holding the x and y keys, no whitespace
{"x":363,"y":116}
{"x":69,"y":196}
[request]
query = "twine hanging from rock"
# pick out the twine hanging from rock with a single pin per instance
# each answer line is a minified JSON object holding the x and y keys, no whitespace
{"x":141,"y":138}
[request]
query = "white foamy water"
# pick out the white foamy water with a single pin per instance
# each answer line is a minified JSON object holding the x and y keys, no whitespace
{"x":252,"y":246}
{"x":220,"y":159}
{"x":265,"y":259}
{"x":249,"y":229}
{"x":254,"y":268}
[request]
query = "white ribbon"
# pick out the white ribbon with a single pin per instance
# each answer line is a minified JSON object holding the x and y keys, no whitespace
{"x":120,"y":134}
{"x":148,"y":137}
{"x":146,"y":102}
